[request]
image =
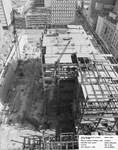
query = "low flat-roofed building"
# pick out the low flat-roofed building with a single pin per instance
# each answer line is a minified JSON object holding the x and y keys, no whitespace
{"x":55,"y":45}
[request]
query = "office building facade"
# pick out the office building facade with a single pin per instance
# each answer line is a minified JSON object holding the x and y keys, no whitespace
{"x":97,"y":7}
{"x":114,"y":43}
{"x":38,"y":18}
{"x":47,"y":3}
{"x":1,"y":31}
{"x":5,"y":12}
{"x":116,"y":6}
{"x":62,"y":12}
{"x":107,"y":30}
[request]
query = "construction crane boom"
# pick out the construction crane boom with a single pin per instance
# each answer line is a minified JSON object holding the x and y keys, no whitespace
{"x":58,"y":60}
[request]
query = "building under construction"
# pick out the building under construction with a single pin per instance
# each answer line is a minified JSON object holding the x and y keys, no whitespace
{"x":80,"y":89}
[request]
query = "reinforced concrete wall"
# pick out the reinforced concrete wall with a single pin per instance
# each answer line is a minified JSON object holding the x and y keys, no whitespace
{"x":6,"y":79}
{"x":6,"y":83}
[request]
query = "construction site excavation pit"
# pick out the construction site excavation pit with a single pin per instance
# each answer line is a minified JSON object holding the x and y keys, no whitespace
{"x":24,"y":98}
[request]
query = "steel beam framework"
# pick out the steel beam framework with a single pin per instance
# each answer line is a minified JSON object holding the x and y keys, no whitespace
{"x":101,"y":105}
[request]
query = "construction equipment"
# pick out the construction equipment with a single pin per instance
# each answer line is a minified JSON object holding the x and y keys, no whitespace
{"x":58,"y":60}
{"x":57,"y":63}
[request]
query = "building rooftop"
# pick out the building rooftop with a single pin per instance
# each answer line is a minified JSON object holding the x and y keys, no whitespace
{"x":110,"y":19}
{"x":113,"y":21}
{"x":17,"y":3}
{"x":38,"y":3}
{"x":80,"y":43}
{"x":38,"y":11}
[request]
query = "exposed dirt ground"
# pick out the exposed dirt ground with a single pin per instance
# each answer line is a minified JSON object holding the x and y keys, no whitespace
{"x":25,"y":95}
{"x":24,"y":101}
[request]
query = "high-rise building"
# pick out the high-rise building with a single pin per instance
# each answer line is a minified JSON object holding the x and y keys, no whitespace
{"x":5,"y":12}
{"x":47,"y":3}
{"x":97,"y":7}
{"x":116,"y":6}
{"x":62,"y":11}
{"x":114,"y":43}
{"x":84,"y":5}
{"x":107,"y":30}
{"x":1,"y":31}
{"x":1,"y":35}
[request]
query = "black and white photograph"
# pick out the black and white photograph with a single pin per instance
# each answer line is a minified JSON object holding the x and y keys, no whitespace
{"x":58,"y":74}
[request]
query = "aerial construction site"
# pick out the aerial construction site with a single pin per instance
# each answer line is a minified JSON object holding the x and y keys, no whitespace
{"x":80,"y":83}
{"x":71,"y":89}
{"x":79,"y":86}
